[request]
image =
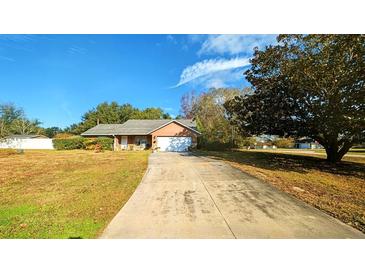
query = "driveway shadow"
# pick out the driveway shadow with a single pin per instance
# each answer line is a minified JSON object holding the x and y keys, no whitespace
{"x":287,"y":162}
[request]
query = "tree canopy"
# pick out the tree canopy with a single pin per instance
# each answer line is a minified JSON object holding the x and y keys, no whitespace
{"x":52,"y":131}
{"x":307,"y":85}
{"x":187,"y":103}
{"x":210,"y":115}
{"x":114,"y":113}
{"x":14,"y":121}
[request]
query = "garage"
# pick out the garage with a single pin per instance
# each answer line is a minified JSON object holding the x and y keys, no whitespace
{"x":174,"y":143}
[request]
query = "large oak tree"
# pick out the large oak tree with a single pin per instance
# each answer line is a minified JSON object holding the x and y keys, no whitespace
{"x":307,"y":85}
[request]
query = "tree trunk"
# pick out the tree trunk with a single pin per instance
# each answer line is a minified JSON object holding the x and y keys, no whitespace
{"x":335,"y":154}
{"x":332,"y":155}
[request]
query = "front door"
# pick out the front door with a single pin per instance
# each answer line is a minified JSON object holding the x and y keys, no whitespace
{"x":124,"y":142}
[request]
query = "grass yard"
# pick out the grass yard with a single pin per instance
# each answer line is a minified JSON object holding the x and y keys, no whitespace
{"x":353,"y":152}
{"x":338,"y":189}
{"x":65,"y":194}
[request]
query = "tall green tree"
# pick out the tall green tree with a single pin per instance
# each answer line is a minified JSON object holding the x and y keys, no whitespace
{"x":104,"y":113}
{"x":25,"y":126}
{"x":307,"y":85}
{"x":8,"y":113}
{"x":113,"y":113}
{"x":14,"y":121}
{"x":150,"y":113}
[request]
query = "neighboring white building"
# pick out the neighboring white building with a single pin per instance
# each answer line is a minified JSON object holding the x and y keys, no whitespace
{"x":27,"y":142}
{"x":307,"y":143}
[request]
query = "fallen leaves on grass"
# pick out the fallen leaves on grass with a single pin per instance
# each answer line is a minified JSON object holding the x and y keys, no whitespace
{"x":338,"y":189}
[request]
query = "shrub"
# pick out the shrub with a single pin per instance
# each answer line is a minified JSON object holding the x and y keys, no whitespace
{"x":105,"y":143}
{"x":213,"y":145}
{"x":64,"y":136}
{"x":246,"y":142}
{"x":69,"y":143}
{"x":77,"y":142}
{"x":98,"y":148}
{"x":89,"y":143}
{"x":100,"y":143}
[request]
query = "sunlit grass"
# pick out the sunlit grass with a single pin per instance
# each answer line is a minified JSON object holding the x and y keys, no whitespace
{"x":65,"y":194}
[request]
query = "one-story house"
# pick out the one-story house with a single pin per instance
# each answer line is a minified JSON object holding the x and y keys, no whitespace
{"x":162,"y":135}
{"x":26,"y":142}
{"x":307,"y":143}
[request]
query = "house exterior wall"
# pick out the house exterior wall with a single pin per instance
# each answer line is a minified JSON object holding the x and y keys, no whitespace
{"x":173,"y":130}
{"x":170,"y":130}
{"x":117,"y":141}
{"x":131,"y":140}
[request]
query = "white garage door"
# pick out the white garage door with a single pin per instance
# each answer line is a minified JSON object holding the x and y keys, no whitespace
{"x":173,"y":143}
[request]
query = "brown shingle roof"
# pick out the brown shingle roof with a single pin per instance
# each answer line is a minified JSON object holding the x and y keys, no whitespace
{"x":133,"y":127}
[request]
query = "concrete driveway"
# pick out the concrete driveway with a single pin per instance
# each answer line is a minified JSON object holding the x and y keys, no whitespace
{"x":184,"y":196}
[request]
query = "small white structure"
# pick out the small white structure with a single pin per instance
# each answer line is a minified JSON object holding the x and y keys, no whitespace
{"x":307,"y":143}
{"x":27,"y":142}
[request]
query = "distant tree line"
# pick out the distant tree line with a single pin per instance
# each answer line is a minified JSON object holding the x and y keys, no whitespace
{"x":13,"y":120}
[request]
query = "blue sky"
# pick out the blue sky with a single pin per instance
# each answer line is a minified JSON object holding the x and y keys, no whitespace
{"x":57,"y":78}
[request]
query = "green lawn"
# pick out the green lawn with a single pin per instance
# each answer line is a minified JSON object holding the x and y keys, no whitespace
{"x":338,"y":189}
{"x":65,"y":194}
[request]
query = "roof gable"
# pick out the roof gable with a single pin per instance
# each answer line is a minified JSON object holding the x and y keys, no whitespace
{"x":135,"y":127}
{"x":177,"y":122}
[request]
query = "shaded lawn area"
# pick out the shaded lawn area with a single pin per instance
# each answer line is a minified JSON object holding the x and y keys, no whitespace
{"x":65,"y":194}
{"x":337,"y":189}
{"x":351,"y":152}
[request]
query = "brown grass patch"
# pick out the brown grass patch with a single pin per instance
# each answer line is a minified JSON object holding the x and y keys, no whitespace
{"x":338,"y":189}
{"x":5,"y":152}
{"x":65,"y":194}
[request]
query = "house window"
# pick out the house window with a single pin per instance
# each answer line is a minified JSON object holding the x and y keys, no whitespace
{"x":140,"y":140}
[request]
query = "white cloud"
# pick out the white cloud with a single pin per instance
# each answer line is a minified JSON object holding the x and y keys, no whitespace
{"x":196,"y":38}
{"x":210,"y":67}
{"x":214,"y":82}
{"x":76,"y":50}
{"x":220,"y":79}
{"x":16,"y":37}
{"x":7,"y":59}
{"x":234,"y":44}
{"x":222,"y":72}
{"x":171,"y":39}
